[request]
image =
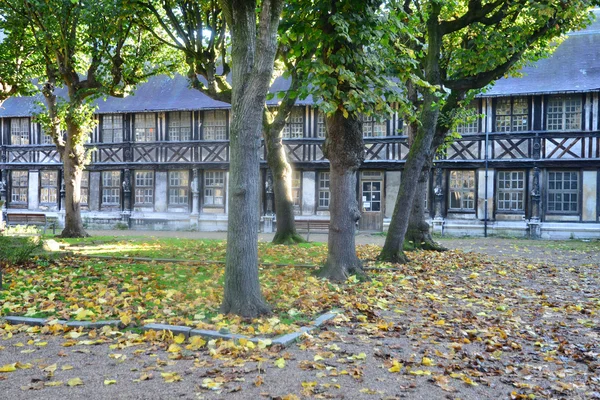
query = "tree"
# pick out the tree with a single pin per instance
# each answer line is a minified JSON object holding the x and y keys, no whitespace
{"x":347,"y":78}
{"x":198,"y":31}
{"x":247,"y":50}
{"x":93,"y":49}
{"x":463,"y":49}
{"x":253,"y":47}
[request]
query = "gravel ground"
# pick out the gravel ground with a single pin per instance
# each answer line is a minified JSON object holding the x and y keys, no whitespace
{"x":542,"y":348}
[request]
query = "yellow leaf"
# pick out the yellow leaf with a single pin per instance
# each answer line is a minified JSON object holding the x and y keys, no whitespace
{"x":396,"y":366}
{"x":179,"y":338}
{"x":170,"y":376}
{"x":50,"y":368}
{"x":75,"y":382}
{"x":474,"y":275}
{"x":280,"y":362}
{"x":125,"y":319}
{"x":82,"y":314}
{"x":66,"y":367}
{"x":428,"y":362}
{"x":420,"y":372}
{"x":318,"y":358}
{"x":174,"y":348}
{"x":209,"y":383}
{"x":54,"y":383}
{"x":195,"y":343}
{"x":109,"y":381}
{"x":263,"y":344}
{"x":8,"y":367}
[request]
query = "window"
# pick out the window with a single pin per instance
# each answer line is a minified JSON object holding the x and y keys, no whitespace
{"x":112,"y":128}
{"x":111,"y":188}
{"x":180,"y":126}
{"x":178,"y":188}
{"x":297,"y":188}
{"x":48,"y":187}
{"x":324,"y":190}
{"x":145,"y":127}
{"x":214,"y":188}
{"x":320,"y":124}
{"x":512,"y":114}
{"x":294,"y":126}
{"x":45,"y":139}
{"x":85,"y":188}
{"x":511,"y":190}
{"x":462,"y":190}
{"x":19,"y":131}
{"x":215,"y":125}
{"x":19,"y":189}
{"x":563,"y":192}
{"x":144,"y":187}
{"x":371,"y":127}
{"x":564,"y":113}
{"x":472,"y":122}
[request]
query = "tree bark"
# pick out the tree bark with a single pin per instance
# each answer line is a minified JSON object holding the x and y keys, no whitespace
{"x":253,"y":53}
{"x":73,"y":163}
{"x":344,"y":147}
{"x":282,"y":185}
{"x":418,"y":235}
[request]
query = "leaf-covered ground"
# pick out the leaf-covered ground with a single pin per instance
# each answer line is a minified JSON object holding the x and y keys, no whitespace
{"x":450,"y":325}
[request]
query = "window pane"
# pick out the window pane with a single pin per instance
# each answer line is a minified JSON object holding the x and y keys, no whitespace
{"x":563,"y":191}
{"x":215,"y":125}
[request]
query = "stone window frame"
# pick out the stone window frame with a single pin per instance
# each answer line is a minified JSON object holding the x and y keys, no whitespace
{"x":294,"y":124}
{"x":84,"y":191}
{"x":323,"y":190}
{"x":320,"y":129}
{"x":513,"y":194}
{"x":111,"y":188}
{"x":565,"y":114}
{"x":511,"y":113}
{"x":180,"y":129}
{"x":49,"y":187}
{"x":370,"y":125}
{"x":19,"y":187}
{"x":178,"y":188}
{"x":574,"y":194}
{"x":112,"y":124}
{"x":297,"y":189}
{"x":213,"y":127}
{"x":466,"y":195}
{"x":472,"y":127}
{"x":143,"y":187}
{"x":20,"y":132}
{"x":213,"y":183}
{"x":144,"y":127}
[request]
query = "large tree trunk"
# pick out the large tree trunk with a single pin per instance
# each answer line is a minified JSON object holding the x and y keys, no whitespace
{"x":252,"y":54}
{"x":73,"y":164}
{"x":420,"y":148}
{"x":418,"y":235}
{"x":344,"y":147}
{"x":282,"y":185}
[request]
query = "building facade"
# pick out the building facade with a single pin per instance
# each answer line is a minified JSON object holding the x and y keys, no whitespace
{"x":528,"y":165}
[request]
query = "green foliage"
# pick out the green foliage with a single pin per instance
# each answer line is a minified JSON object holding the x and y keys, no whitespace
{"x":342,"y":51}
{"x":18,"y":250}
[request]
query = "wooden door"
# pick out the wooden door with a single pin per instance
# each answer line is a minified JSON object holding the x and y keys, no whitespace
{"x":371,"y":201}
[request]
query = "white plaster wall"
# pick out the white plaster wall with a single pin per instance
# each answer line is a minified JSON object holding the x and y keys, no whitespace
{"x":308,"y":192}
{"x":160,"y":197}
{"x":34,"y":190}
{"x":481,"y":184}
{"x":590,"y":190}
{"x":392,"y":185}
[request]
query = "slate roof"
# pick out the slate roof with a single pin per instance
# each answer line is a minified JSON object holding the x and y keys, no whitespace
{"x":574,"y":67}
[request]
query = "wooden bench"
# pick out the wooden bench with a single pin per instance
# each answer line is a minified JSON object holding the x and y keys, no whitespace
{"x":308,"y":225}
{"x":29,"y":219}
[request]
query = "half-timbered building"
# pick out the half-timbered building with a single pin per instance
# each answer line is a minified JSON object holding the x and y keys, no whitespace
{"x":528,"y":166}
